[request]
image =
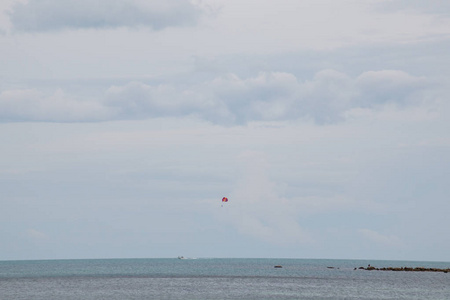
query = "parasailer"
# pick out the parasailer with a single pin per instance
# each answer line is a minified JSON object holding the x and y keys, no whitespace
{"x":224,"y":199}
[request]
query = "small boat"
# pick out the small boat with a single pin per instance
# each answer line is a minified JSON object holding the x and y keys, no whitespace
{"x":181,"y":257}
{"x":278,"y":266}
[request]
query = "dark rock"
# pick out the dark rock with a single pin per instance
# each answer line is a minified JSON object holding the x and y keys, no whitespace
{"x":406,"y":269}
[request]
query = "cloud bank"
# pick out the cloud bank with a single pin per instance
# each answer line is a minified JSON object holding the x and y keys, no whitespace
{"x":439,"y":7}
{"x":225,"y":100}
{"x":48,"y":15}
{"x":34,"y":105}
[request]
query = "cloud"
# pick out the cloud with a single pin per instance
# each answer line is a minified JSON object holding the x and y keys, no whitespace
{"x":139,"y":100}
{"x":34,"y":105}
{"x":440,"y":7}
{"x":225,"y":100}
{"x":269,"y":96}
{"x":264,"y":97}
{"x":380,"y":239}
{"x":36,"y":235}
{"x":47,"y":15}
{"x":388,"y":86}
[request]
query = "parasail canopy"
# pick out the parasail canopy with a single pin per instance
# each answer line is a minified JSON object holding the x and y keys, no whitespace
{"x":224,"y":199}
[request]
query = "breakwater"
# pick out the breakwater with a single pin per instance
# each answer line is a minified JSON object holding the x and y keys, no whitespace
{"x":405,"y":269}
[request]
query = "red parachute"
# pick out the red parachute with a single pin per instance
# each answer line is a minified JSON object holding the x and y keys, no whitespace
{"x":224,"y":199}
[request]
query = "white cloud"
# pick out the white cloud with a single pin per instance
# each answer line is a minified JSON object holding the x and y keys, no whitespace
{"x":380,"y":239}
{"x":34,"y":105}
{"x":46,"y":15}
{"x":226,"y":100}
{"x":440,"y":7}
{"x":269,"y":96}
{"x":378,"y":87}
{"x":36,"y":234}
{"x":139,"y":100}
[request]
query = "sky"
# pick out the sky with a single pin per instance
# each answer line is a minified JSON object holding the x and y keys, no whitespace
{"x":324,"y":122}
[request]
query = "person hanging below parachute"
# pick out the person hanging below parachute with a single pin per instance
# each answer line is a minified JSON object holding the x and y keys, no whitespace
{"x":224,"y":199}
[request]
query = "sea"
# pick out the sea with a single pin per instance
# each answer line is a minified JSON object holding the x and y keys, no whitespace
{"x":219,"y":278}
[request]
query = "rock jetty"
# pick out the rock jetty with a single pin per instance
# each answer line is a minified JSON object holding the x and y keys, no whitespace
{"x":405,"y":269}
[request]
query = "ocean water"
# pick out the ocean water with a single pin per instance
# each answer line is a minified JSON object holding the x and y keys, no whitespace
{"x":218,"y":279}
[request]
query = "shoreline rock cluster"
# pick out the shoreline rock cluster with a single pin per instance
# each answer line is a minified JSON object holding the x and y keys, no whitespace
{"x":405,"y":269}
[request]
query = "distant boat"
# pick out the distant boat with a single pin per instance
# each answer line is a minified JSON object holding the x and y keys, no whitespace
{"x":181,"y":257}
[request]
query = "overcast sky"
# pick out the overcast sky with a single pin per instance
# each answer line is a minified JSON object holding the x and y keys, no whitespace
{"x":325,"y":122}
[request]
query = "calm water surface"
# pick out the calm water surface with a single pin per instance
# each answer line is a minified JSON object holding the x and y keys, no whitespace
{"x":218,"y":279}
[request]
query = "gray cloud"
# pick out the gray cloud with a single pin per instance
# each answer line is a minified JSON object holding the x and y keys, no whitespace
{"x":441,"y":7}
{"x":34,"y":105}
{"x":388,"y":86}
{"x":225,"y":100}
{"x":274,"y":96}
{"x":47,"y":15}
{"x":137,"y":100}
